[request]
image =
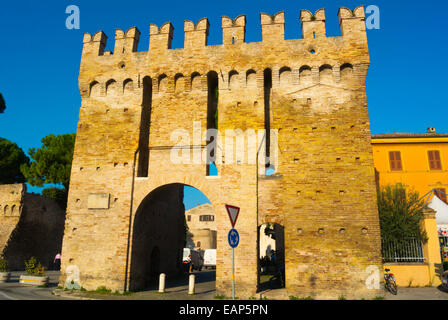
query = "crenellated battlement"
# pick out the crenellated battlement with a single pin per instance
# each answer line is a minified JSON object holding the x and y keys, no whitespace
{"x":233,"y":30}
{"x":352,"y":24}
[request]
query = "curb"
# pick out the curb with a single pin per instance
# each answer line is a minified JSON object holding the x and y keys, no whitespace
{"x":73,"y":295}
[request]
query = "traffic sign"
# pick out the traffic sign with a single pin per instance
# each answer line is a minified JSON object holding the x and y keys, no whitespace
{"x":234,"y":238}
{"x":233,"y":214}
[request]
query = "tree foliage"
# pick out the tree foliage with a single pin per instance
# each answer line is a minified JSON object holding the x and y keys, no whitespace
{"x":401,"y":213}
{"x":52,"y":162}
{"x":11,"y":158}
{"x":2,"y":104}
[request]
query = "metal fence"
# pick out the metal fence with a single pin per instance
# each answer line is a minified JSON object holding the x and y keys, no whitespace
{"x":410,"y":251}
{"x":443,"y":242}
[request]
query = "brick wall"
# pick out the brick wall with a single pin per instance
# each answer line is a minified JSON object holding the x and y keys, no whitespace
{"x":315,"y":102}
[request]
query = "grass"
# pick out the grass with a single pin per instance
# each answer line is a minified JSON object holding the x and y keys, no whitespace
{"x":297,"y":298}
{"x":100,"y":290}
{"x":106,"y":291}
{"x":378,"y":298}
{"x":223,"y":297}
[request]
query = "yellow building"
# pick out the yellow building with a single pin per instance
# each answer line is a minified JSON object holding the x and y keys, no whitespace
{"x":418,"y":160}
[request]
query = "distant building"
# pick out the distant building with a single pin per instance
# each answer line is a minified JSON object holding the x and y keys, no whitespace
{"x":202,"y":231}
{"x":418,"y":160}
{"x":201,"y":227}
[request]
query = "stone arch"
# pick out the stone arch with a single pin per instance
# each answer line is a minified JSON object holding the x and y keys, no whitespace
{"x":251,"y":78}
{"x":202,"y":184}
{"x":158,"y":222}
{"x":162,"y":83}
{"x":128,"y":85}
{"x":111,"y":87}
{"x":326,"y":73}
{"x":196,"y":83}
{"x":346,"y":72}
{"x":285,"y":77}
{"x":179,"y":82}
{"x":5,"y":210}
{"x":234,"y":80}
{"x":94,"y":89}
{"x":305,"y":76}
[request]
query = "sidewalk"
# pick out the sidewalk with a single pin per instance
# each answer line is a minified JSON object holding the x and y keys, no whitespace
{"x":176,"y":289}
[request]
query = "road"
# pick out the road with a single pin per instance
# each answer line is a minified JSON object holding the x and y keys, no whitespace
{"x":176,"y":289}
{"x":13,"y":290}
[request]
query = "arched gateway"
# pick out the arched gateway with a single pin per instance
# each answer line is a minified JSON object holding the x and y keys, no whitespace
{"x":289,"y":106}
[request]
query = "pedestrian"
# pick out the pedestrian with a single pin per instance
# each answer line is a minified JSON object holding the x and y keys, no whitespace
{"x":190,"y":264}
{"x":273,"y":258}
{"x":57,"y":261}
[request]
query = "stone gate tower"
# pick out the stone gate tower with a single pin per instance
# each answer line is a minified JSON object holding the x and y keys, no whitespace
{"x":142,"y":110}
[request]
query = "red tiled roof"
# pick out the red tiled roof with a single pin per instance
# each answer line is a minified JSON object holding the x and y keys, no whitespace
{"x":409,"y":135}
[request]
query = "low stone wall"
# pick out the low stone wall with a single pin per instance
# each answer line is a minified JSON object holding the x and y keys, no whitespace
{"x":11,"y":197}
{"x":34,"y":228}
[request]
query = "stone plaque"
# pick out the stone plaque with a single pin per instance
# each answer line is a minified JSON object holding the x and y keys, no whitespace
{"x":98,"y":201}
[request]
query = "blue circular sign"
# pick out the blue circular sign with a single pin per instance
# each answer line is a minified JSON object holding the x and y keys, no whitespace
{"x":234,"y":238}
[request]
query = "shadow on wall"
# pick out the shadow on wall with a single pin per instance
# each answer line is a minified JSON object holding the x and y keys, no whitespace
{"x":159,"y":236}
{"x":38,"y":233}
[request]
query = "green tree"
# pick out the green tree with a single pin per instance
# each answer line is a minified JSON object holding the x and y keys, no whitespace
{"x":2,"y":104}
{"x":11,"y":158}
{"x":401,"y":212}
{"x":52,"y":162}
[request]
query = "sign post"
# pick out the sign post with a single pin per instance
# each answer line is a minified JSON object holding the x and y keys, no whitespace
{"x":234,"y":239}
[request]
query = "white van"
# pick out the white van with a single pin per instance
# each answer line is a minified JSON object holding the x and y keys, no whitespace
{"x":210,"y":258}
{"x":196,"y":258}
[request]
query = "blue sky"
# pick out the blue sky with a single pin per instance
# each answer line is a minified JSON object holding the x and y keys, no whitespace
{"x":39,"y":56}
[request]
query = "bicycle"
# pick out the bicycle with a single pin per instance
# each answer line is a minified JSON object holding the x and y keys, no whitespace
{"x":390,"y":283}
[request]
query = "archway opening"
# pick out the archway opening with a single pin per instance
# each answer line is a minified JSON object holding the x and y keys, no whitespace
{"x":271,"y":255}
{"x":171,"y":220}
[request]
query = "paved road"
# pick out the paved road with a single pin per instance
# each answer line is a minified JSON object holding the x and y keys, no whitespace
{"x":176,"y":289}
{"x":425,"y":293}
{"x":13,"y":290}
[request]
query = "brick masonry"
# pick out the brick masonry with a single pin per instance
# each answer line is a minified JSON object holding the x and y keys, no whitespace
{"x":323,"y":190}
{"x":30,"y":225}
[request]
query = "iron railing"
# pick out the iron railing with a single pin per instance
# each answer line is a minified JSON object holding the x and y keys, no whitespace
{"x":410,"y":250}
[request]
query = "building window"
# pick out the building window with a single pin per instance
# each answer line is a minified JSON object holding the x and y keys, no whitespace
{"x":441,"y":194}
{"x":207,"y":218}
{"x":434,"y":160}
{"x":395,"y":161}
{"x":188,"y":218}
